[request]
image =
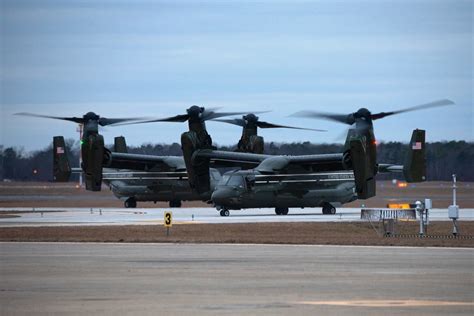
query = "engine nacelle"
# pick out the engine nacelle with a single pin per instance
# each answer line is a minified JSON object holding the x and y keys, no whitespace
{"x":93,"y":157}
{"x":363,"y":168}
{"x":256,"y":144}
{"x":197,"y":167}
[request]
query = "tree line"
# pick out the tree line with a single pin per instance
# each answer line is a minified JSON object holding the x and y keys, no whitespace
{"x":443,"y":158}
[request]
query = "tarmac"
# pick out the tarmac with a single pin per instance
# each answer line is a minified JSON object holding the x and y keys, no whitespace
{"x":224,"y":279}
{"x":145,"y":216}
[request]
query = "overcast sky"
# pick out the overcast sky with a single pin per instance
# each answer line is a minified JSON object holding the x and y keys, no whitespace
{"x":157,"y":58}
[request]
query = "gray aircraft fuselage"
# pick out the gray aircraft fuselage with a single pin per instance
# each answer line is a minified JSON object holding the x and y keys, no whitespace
{"x":251,"y":189}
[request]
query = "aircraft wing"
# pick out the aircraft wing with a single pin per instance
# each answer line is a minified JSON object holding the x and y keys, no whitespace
{"x":274,"y":164}
{"x":305,"y":163}
{"x":115,"y":174}
{"x":388,"y":168}
{"x":219,"y":158}
{"x":145,"y":162}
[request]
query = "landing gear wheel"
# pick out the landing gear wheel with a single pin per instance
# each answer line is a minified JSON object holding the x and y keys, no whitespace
{"x":281,"y":210}
{"x":130,"y":203}
{"x":225,"y":213}
{"x":328,"y":209}
{"x":175,"y":203}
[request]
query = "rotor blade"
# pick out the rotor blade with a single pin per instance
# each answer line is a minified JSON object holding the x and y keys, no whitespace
{"x":110,"y":121}
{"x":71,"y":119}
{"x":414,"y":108}
{"x":341,"y":118}
{"x":237,"y":121}
{"x":177,"y":118}
{"x":210,"y":115}
{"x":262,"y":124}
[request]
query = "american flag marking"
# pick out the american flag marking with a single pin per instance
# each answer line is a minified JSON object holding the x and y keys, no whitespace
{"x":60,"y":150}
{"x":416,"y":146}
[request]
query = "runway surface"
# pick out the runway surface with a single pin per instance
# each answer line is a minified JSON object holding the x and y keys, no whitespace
{"x":44,"y":278}
{"x":146,"y":216}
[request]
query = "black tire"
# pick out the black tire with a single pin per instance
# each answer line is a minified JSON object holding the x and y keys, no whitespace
{"x":224,"y":212}
{"x":175,"y":203}
{"x":281,"y":210}
{"x":130,"y":203}
{"x":328,"y":209}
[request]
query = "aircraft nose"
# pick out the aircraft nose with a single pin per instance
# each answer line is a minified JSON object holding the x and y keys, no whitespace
{"x":223,"y":196}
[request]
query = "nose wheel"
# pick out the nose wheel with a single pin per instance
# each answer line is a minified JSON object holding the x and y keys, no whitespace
{"x":130,"y":202}
{"x":328,"y":209}
{"x":224,"y":212}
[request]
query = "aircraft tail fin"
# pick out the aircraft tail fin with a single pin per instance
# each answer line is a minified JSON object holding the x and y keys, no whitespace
{"x":61,"y":167}
{"x":120,"y":145}
{"x":414,"y":168}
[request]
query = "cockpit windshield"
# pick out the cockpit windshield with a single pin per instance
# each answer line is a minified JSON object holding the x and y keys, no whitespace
{"x":233,"y":180}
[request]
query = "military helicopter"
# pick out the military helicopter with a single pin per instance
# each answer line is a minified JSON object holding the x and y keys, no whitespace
{"x":358,"y":158}
{"x":199,"y":154}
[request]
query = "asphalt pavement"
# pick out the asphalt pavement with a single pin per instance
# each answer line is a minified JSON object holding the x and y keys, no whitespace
{"x":222,"y":279}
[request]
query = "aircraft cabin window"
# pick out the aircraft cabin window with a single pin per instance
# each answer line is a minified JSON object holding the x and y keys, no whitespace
{"x":215,"y":175}
{"x":237,"y":181}
{"x":225,"y":179}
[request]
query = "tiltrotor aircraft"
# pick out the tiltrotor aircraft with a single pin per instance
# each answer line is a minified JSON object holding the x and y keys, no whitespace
{"x":354,"y":168}
{"x":324,"y":180}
